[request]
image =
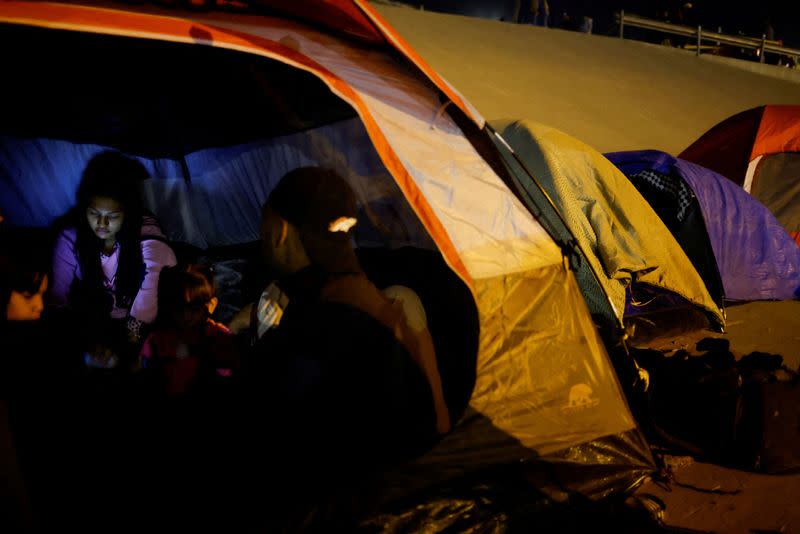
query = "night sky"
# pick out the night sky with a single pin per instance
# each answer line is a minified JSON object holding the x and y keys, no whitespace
{"x":783,"y":15}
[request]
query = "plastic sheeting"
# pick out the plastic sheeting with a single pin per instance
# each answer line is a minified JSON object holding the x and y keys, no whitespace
{"x":545,"y":391}
{"x":623,"y":238}
{"x":756,"y":257}
{"x":545,"y":496}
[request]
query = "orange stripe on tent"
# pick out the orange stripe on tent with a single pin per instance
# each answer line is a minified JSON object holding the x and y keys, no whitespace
{"x":779,"y":131}
{"x":124,"y":23}
{"x":340,"y":15}
{"x":796,"y":237}
{"x":404,"y":48}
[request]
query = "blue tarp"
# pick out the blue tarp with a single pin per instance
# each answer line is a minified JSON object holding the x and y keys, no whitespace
{"x":756,"y":257}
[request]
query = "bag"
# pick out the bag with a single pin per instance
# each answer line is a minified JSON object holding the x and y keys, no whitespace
{"x":694,"y":403}
{"x":770,"y":431}
{"x":743,"y":414}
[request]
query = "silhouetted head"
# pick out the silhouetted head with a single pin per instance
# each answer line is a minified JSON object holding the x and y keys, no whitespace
{"x":309,"y":219}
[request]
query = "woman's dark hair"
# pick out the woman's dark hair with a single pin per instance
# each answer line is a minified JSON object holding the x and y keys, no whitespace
{"x":113,"y":175}
{"x":181,"y":285}
{"x":24,"y":262}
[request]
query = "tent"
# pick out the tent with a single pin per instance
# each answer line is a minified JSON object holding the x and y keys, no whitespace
{"x":219,"y":104}
{"x":623,"y":243}
{"x":758,"y":149}
{"x":736,"y":244}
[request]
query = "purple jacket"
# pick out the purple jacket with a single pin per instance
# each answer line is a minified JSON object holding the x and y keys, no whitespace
{"x":156,"y":254}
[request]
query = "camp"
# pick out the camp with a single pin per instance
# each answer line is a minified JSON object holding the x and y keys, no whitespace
{"x":218,"y":105}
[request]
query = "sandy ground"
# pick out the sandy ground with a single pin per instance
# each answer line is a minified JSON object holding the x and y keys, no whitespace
{"x":712,"y":498}
{"x":610,"y":93}
{"x":625,"y":95}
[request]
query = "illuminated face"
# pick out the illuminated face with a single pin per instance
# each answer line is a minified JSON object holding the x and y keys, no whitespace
{"x":26,"y":306}
{"x":105,"y":216}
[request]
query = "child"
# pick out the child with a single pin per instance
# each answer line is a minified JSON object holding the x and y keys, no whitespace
{"x":23,"y":281}
{"x":188,"y":351}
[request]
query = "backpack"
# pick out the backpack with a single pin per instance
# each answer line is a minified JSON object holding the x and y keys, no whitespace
{"x":743,"y":414}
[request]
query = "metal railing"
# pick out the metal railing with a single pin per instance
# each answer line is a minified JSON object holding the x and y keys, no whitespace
{"x":762,"y":45}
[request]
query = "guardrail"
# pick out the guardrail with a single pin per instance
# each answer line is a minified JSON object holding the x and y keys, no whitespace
{"x":762,"y":45}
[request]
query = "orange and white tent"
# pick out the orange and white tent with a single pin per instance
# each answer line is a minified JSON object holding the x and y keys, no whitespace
{"x":219,"y":104}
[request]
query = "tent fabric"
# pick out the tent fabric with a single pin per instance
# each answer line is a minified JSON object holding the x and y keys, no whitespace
{"x":425,"y":143}
{"x":354,"y":18}
{"x":759,"y":149}
{"x":625,"y":241}
{"x":601,"y":307}
{"x":727,"y":147}
{"x":776,"y":184}
{"x":185,"y":30}
{"x":544,"y":382}
{"x":231,"y":183}
{"x":730,"y":146}
{"x":756,"y":257}
{"x":680,"y":211}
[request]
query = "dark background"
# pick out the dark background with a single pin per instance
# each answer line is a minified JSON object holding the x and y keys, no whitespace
{"x":750,"y":18}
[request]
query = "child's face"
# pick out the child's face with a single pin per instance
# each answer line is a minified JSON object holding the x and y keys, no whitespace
{"x":193,"y":314}
{"x":26,"y":306}
{"x":105,"y":216}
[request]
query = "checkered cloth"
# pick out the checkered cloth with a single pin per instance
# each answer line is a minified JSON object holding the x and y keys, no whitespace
{"x":673,"y":186}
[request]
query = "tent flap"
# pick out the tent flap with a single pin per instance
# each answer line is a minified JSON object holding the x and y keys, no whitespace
{"x":623,"y":238}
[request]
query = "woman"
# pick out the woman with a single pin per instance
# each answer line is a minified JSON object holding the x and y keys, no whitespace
{"x":108,"y":257}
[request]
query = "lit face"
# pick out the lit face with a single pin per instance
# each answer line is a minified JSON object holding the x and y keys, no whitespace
{"x":26,"y":306}
{"x":105,"y":216}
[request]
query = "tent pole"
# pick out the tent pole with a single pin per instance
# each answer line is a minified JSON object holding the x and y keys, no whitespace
{"x":572,"y":242}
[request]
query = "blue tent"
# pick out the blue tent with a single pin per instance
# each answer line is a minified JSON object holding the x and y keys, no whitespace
{"x":756,"y":259}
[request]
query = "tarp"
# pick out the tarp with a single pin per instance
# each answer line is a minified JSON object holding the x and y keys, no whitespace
{"x":623,"y":238}
{"x":756,"y":257}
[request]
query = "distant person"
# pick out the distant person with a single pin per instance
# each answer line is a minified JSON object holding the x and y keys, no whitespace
{"x":566,"y":22}
{"x":769,"y":30}
{"x":540,"y":13}
{"x":585,"y":14}
{"x":586,"y":24}
{"x":107,"y":259}
{"x":536,"y":12}
{"x":188,"y":350}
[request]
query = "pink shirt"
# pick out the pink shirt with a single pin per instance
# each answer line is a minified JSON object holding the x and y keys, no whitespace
{"x":155,"y":254}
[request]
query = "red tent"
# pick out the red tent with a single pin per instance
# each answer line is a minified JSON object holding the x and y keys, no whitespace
{"x":758,"y":149}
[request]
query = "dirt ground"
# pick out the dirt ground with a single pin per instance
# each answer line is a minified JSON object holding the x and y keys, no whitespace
{"x":712,"y":498}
